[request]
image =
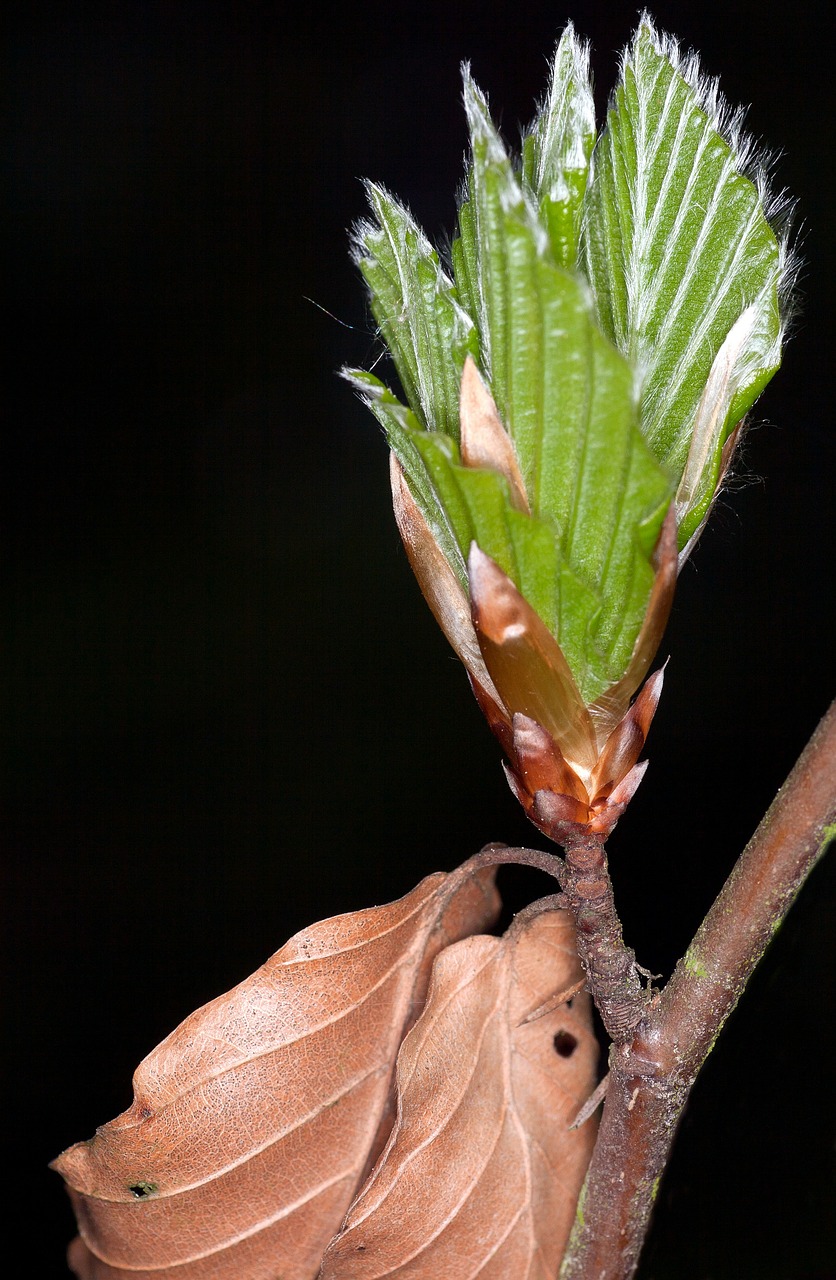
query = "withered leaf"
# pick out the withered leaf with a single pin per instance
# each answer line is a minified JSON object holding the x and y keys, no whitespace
{"x":255,"y":1121}
{"x":481,"y":1173}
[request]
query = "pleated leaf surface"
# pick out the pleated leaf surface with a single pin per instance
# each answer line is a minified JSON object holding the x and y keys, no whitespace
{"x":558,"y":146}
{"x":677,"y":247}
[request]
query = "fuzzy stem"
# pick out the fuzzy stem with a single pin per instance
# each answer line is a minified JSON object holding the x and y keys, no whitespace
{"x":650,"y":1078}
{"x":610,"y":966}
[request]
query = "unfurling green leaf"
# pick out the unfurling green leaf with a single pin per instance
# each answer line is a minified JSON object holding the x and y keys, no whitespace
{"x":556,"y":151}
{"x":678,"y":248}
{"x":566,"y":397}
{"x":414,"y":301}
{"x":621,"y":303}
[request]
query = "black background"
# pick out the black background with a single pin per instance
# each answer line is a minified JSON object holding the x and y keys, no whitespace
{"x":228,"y":712}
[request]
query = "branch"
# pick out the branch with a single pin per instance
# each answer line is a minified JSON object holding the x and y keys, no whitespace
{"x":651,"y":1078}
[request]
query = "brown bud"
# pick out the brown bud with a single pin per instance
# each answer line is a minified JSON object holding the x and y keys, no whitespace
{"x":484,"y":440}
{"x":526,"y":663}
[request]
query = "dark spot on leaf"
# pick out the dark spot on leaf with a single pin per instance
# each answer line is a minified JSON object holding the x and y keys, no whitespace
{"x":142,"y":1189}
{"x":565,"y":1043}
{"x":145,"y":1113}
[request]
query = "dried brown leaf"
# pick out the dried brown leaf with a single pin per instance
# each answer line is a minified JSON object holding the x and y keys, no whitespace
{"x":481,"y":1173}
{"x":255,"y":1121}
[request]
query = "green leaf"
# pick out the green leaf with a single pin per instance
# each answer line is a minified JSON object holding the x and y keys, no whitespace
{"x":587,"y":574}
{"x":479,"y":505}
{"x":677,"y":247}
{"x":557,"y":149}
{"x":566,"y":397}
{"x":402,"y":429}
{"x":465,"y":257}
{"x":618,"y":390}
{"x":415,"y":304}
{"x":464,"y":504}
{"x":492,"y":184}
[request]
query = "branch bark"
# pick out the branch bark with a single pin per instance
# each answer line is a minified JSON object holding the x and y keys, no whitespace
{"x":651,"y":1076}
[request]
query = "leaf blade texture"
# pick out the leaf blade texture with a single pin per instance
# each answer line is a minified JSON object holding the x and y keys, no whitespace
{"x":622,"y":298}
{"x":481,"y":1173}
{"x":596,"y":494}
{"x":254,"y":1121}
{"x":415,"y":303}
{"x":557,"y":149}
{"x":678,"y":245}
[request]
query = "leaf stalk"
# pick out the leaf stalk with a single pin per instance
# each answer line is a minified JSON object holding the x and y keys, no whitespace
{"x":614,"y":978}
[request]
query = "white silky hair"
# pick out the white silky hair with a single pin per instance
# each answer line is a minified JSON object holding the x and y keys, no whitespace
{"x":362,"y":234}
{"x":558,"y":126}
{"x":746,"y":159}
{"x":513,"y":197}
{"x":568,"y":117}
{"x":751,"y":159}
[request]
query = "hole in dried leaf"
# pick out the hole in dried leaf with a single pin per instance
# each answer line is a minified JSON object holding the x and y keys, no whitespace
{"x":565,"y":1043}
{"x":142,"y":1189}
